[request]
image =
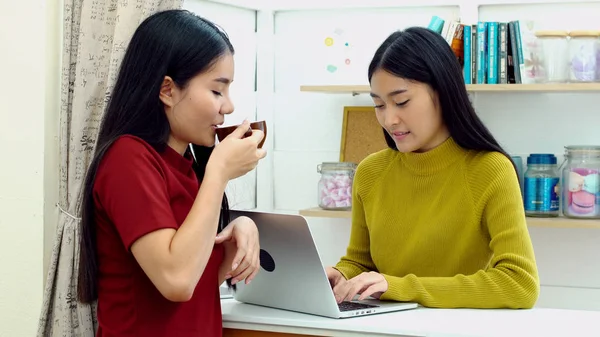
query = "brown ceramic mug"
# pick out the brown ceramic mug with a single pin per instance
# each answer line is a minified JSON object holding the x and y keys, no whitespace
{"x":258,"y":125}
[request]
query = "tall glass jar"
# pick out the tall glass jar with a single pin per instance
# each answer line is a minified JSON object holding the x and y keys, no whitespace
{"x":335,"y":185}
{"x":554,"y":57}
{"x":583,"y":51}
{"x":541,"y":195}
{"x":581,"y":182}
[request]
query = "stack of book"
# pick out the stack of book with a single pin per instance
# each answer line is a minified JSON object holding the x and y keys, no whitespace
{"x":491,"y":52}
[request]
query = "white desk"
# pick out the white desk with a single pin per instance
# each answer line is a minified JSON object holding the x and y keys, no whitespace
{"x":248,"y":320}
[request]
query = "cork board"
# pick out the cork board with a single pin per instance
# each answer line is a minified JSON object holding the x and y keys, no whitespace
{"x":361,"y":134}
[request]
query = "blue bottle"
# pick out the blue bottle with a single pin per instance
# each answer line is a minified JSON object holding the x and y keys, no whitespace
{"x":541,"y":186}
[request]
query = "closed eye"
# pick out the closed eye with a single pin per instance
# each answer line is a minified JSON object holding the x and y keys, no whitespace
{"x":217,"y":93}
{"x":402,"y":103}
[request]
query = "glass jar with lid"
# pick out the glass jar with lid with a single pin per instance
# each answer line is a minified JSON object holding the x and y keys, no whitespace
{"x":583,"y":53}
{"x":554,"y":56}
{"x":541,"y":192}
{"x":581,"y":182}
{"x":335,"y":185}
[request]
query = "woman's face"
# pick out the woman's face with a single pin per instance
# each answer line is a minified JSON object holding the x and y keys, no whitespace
{"x":194,"y":112}
{"x":409,"y":111}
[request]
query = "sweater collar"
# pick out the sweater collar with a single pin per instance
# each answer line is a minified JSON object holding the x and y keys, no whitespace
{"x":434,"y":160}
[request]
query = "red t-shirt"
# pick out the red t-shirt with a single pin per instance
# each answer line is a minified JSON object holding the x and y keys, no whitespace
{"x":137,"y":191}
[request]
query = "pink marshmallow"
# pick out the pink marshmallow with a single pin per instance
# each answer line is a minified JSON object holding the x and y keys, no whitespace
{"x":342,"y":181}
{"x":336,"y":196}
{"x":342,"y":203}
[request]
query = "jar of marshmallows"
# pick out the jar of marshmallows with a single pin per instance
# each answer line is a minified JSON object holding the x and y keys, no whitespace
{"x":581,"y":182}
{"x":335,"y":185}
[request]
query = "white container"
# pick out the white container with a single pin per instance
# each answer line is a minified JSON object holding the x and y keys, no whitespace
{"x":583,"y":54}
{"x":554,"y":57}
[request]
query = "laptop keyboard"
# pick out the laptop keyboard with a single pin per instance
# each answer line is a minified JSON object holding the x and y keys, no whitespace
{"x":349,"y":306}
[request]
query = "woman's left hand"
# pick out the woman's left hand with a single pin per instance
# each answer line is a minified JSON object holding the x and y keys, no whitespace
{"x":366,"y":284}
{"x":241,"y":236}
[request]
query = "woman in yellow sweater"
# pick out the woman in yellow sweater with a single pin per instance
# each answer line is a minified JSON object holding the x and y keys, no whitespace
{"x":438,"y":217}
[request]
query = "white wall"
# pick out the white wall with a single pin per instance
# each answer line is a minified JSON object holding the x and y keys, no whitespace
{"x":29,"y":31}
{"x":308,"y":125}
{"x":239,"y":24}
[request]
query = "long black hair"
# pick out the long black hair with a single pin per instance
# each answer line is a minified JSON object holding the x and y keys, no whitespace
{"x":175,"y":43}
{"x":422,"y":55}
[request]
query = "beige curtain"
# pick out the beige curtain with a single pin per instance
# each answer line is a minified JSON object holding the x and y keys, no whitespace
{"x":96,"y":34}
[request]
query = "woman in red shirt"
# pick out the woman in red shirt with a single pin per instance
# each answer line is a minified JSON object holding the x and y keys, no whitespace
{"x":156,"y":238}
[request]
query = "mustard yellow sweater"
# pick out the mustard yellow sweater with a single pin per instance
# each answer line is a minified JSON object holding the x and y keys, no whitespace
{"x":446,"y":228}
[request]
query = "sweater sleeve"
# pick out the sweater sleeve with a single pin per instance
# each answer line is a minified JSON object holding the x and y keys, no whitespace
{"x":358,"y":254}
{"x":511,"y":279}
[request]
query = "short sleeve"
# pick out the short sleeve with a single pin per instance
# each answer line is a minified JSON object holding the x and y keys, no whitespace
{"x":131,"y":189}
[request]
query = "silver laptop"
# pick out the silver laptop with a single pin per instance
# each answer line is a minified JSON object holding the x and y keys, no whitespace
{"x":292,"y":276}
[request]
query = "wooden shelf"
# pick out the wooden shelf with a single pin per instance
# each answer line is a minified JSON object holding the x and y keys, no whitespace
{"x":560,"y":222}
{"x":341,"y":89}
{"x":318,"y":212}
{"x":567,"y":87}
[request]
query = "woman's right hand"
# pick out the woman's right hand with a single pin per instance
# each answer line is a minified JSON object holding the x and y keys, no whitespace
{"x":236,"y":155}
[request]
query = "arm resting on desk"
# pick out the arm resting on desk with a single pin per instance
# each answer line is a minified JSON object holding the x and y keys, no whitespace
{"x":510,"y":281}
{"x":499,"y":287}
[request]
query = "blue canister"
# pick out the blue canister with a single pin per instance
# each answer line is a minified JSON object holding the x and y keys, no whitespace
{"x":541,"y":186}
